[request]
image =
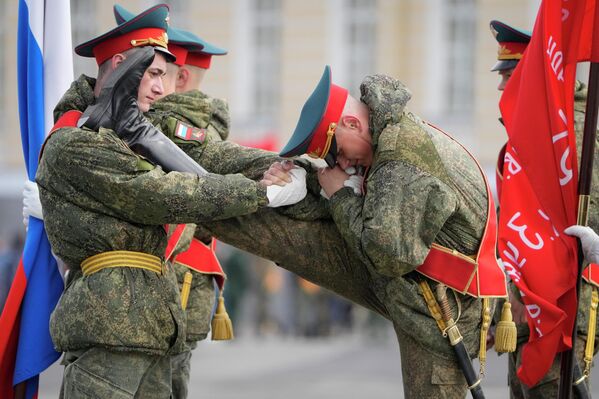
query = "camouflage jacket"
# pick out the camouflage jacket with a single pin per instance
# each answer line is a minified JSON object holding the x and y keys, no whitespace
{"x":422,"y":188}
{"x":99,"y":196}
{"x":199,"y":111}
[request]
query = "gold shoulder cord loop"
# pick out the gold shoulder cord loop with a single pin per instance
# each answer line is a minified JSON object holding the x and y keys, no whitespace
{"x":484,"y":329}
{"x":185,"y":289}
{"x":330,"y":134}
{"x":590,"y":344}
{"x":432,"y":305}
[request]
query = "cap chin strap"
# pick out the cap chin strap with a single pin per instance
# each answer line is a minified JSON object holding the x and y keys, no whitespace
{"x":327,"y":144}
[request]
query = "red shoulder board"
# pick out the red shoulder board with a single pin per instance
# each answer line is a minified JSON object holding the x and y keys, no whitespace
{"x":199,"y":256}
{"x":68,"y":119}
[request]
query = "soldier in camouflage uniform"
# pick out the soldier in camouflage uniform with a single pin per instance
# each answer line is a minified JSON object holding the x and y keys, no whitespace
{"x":512,"y":43}
{"x":371,"y":248}
{"x":120,"y":317}
{"x":182,"y":83}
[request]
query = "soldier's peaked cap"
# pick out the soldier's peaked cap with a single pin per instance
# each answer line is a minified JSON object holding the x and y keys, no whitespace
{"x":315,"y":131}
{"x":512,"y":43}
{"x":146,"y":29}
{"x":189,"y":48}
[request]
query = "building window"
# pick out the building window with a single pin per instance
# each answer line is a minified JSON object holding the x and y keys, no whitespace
{"x":360,"y":31}
{"x":460,"y":40}
{"x":266,"y":43}
{"x":83,"y":26}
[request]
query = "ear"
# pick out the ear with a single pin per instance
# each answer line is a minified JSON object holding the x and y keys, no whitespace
{"x":351,"y":122}
{"x":116,"y":60}
{"x":182,"y":77}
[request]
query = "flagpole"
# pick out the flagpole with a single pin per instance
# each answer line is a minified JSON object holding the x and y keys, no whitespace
{"x":584,"y":190}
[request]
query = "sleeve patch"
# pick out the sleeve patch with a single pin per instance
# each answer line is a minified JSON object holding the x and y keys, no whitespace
{"x":189,"y":133}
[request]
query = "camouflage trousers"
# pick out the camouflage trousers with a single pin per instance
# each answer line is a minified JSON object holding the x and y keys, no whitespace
{"x":198,"y":311}
{"x":426,"y":374}
{"x":102,"y":373}
{"x":315,"y":251}
{"x":181,"y":368}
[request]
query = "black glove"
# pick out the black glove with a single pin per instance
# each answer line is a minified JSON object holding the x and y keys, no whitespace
{"x":118,"y":90}
{"x":116,"y":108}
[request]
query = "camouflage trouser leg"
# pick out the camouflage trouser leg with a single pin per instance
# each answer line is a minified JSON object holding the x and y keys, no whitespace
{"x":428,"y":375}
{"x":548,"y":387}
{"x":180,"y":365}
{"x":314,"y":250}
{"x":101,"y":373}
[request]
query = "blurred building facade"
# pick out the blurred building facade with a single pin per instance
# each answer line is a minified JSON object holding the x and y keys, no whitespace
{"x":441,"y":49}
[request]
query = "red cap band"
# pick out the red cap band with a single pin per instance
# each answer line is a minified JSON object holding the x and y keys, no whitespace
{"x":179,"y":52}
{"x":140,"y":37}
{"x":337,"y":98}
{"x":199,"y":59}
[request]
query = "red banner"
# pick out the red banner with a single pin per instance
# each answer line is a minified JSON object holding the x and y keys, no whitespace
{"x":539,"y":197}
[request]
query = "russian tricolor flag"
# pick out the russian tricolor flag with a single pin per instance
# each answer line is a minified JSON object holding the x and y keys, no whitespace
{"x":45,"y":70}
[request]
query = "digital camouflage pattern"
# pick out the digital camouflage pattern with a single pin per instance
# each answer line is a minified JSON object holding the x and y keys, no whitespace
{"x":211,"y":116}
{"x":422,"y":188}
{"x":444,"y":201}
{"x":217,"y":156}
{"x":549,"y":384}
{"x":224,"y":157}
{"x":128,"y":375}
{"x":99,"y":196}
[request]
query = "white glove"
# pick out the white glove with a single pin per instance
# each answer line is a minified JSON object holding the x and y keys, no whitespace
{"x":290,"y":193}
{"x":589,"y":241}
{"x":355,"y":182}
{"x":31,"y":203}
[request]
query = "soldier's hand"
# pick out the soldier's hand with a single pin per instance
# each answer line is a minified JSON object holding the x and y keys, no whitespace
{"x":290,"y":193}
{"x":331,"y":179}
{"x":589,"y":241}
{"x":278,"y":174}
{"x":518,"y":309}
{"x":31,"y":202}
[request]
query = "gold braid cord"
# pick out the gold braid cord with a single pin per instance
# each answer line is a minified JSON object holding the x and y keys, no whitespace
{"x":185,"y":289}
{"x":484,"y":329}
{"x":590,"y":345}
{"x":432,"y":304}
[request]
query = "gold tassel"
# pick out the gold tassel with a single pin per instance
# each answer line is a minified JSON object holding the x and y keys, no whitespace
{"x":185,"y":289}
{"x":505,"y":333}
{"x":590,"y":345}
{"x":222,"y":328}
{"x":484,"y":329}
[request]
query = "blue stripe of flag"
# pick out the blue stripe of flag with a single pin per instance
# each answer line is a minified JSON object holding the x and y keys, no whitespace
{"x":44,"y":284}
